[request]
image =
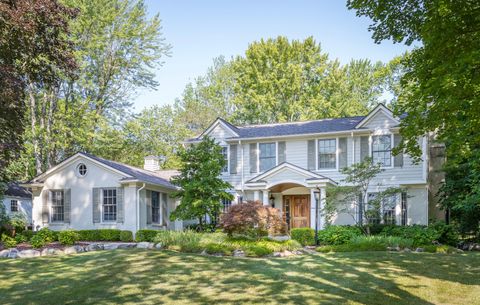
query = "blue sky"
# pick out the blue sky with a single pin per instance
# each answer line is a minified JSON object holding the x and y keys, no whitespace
{"x":202,"y":30}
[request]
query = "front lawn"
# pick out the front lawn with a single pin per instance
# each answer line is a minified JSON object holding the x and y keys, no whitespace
{"x":156,"y":277}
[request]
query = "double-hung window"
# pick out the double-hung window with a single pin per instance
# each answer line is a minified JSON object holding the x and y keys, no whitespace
{"x":14,"y":205}
{"x":268,"y":156}
{"x":155,"y":207}
{"x":327,"y":154}
{"x":109,"y":205}
{"x":381,"y":212}
{"x":226,"y":204}
{"x":388,"y":210}
{"x":382,"y":150}
{"x":58,"y":205}
{"x":225,"y":157}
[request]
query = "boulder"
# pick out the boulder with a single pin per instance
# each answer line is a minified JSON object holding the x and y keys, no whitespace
{"x":51,"y":251}
{"x":13,"y":253}
{"x":126,"y":246}
{"x":145,"y":245}
{"x":94,"y":247}
{"x":407,"y":250}
{"x":110,"y":246}
{"x":159,"y":246}
{"x":277,"y":254}
{"x":73,"y":249}
{"x":420,"y":250}
{"x":4,"y":253}
{"x":238,"y":253}
{"x":280,"y":237}
{"x":29,"y":253}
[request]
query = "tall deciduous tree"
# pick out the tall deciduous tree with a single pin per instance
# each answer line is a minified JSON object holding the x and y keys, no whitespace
{"x":202,"y":190}
{"x":34,"y":53}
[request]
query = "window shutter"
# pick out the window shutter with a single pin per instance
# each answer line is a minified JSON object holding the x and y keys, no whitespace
{"x":120,"y":211}
{"x":397,"y":159}
{"x":311,"y":155}
{"x":97,"y":211}
{"x":253,"y":157}
{"x":364,"y":151}
{"x":67,"y":199}
{"x":164,"y":207}
{"x":282,"y":152}
{"x":149,"y":206}
{"x":233,"y":158}
{"x":342,"y":152}
{"x":45,"y":210}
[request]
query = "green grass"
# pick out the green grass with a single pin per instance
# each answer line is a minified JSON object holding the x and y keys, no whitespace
{"x":165,"y":277}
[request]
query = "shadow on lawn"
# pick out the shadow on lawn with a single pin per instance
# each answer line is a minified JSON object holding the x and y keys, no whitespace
{"x":154,"y":277}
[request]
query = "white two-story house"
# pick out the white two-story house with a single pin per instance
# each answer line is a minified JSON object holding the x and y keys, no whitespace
{"x":290,"y":165}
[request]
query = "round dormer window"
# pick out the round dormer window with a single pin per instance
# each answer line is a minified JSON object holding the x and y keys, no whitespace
{"x":81,"y":169}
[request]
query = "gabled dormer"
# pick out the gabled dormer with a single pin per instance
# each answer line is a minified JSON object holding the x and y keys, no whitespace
{"x":379,"y":118}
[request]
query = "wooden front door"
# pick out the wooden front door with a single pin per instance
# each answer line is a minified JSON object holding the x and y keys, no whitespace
{"x":297,"y":211}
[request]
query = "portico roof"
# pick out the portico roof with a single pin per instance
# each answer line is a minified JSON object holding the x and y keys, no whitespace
{"x":288,"y":173}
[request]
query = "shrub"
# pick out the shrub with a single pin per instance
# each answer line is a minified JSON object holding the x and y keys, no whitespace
{"x":252,"y":219}
{"x":27,"y":234}
{"x":99,"y":235}
{"x":439,"y":249}
{"x":185,"y":241}
{"x":20,"y":238}
{"x":47,"y":235}
{"x":338,"y":235}
{"x":37,"y":241}
{"x":8,"y":242}
{"x":448,"y":234}
{"x":126,"y":236}
{"x":420,"y":235}
{"x":68,"y":237}
{"x":219,"y":248}
{"x":146,"y":235}
{"x":257,"y":250}
{"x":305,"y":236}
{"x":18,"y":221}
{"x":368,"y":243}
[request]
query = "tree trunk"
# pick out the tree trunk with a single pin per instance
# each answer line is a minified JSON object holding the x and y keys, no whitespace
{"x":33,"y":124}
{"x":52,"y":98}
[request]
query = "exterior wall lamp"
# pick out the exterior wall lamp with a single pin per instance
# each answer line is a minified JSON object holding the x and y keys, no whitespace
{"x":272,"y":200}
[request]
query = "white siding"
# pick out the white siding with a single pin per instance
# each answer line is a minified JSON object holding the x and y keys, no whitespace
{"x":24,"y":206}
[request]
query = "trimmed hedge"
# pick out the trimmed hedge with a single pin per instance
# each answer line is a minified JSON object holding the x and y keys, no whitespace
{"x":423,"y":235}
{"x":68,"y":237}
{"x":126,"y":236}
{"x":305,"y":236}
{"x":146,"y":235}
{"x":99,"y":235}
{"x":338,"y":235}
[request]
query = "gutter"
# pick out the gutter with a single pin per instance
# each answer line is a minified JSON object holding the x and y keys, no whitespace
{"x":137,"y":209}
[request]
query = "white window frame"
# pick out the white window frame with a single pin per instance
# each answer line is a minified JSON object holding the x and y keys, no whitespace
{"x":382,"y":222}
{"x":16,"y":205}
{"x":336,"y":155}
{"x":102,"y":204}
{"x":370,"y":148}
{"x":228,"y":159}
{"x":159,"y":208}
{"x":258,"y":154}
{"x":50,"y":197}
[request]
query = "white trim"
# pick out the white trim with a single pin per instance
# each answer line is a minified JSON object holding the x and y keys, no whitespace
{"x":392,"y":157}
{"x":218,"y":121}
{"x":317,"y":167}
{"x":258,"y":155}
{"x":102,"y":221}
{"x":282,"y":166}
{"x":380,"y":107}
{"x":228,"y":160}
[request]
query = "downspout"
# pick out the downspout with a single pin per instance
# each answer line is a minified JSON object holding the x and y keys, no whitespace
{"x":242,"y":168}
{"x":137,"y":210}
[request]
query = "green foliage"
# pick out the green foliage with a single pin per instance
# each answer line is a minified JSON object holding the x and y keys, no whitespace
{"x":184,"y":241}
{"x":126,"y":236}
{"x":18,"y":221}
{"x":439,"y":249}
{"x":368,"y":243}
{"x":20,"y":238}
{"x":68,"y":237}
{"x":305,"y":236}
{"x":99,"y":235}
{"x":219,"y":248}
{"x":47,"y":235}
{"x":338,"y":235}
{"x":37,"y":241}
{"x":252,"y":219}
{"x":202,"y":190}
{"x":420,"y":235}
{"x":146,"y":235}
{"x":27,"y":234}
{"x":8,"y":242}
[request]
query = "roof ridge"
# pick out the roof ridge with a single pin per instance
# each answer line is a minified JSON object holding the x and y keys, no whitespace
{"x":297,"y":122}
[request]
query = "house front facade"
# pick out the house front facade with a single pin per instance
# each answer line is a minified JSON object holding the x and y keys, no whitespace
{"x":17,"y":199}
{"x":88,"y":192}
{"x":290,"y":165}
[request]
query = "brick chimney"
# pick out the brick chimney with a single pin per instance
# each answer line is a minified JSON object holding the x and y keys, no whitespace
{"x":152,"y":163}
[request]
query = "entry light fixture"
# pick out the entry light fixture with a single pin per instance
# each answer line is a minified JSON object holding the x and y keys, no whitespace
{"x":272,"y":201}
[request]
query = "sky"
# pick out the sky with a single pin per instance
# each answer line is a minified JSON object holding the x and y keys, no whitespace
{"x":199,"y":31}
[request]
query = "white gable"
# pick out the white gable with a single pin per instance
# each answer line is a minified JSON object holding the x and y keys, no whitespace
{"x":219,"y":131}
{"x":380,"y":118}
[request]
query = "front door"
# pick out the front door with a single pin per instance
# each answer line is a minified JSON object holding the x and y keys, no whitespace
{"x":297,"y":210}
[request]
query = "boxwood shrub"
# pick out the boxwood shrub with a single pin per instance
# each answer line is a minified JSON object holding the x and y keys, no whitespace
{"x":99,"y":235}
{"x":146,"y":235}
{"x":68,"y":237}
{"x":305,"y":236}
{"x":338,"y":235}
{"x":126,"y":236}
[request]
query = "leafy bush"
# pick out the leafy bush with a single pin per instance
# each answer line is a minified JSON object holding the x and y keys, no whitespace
{"x":257,"y":250}
{"x":448,"y":234}
{"x":126,"y":236}
{"x":368,"y":243}
{"x":439,"y":249}
{"x":68,"y":237}
{"x":219,"y":248}
{"x":18,"y":221}
{"x":420,"y":235}
{"x":252,"y":219}
{"x":305,"y":236}
{"x":20,"y":238}
{"x":208,"y":227}
{"x":47,"y":235}
{"x":27,"y":234}
{"x":185,"y":241}
{"x":338,"y":235}
{"x":8,"y":242}
{"x":99,"y":235}
{"x":146,"y":235}
{"x":37,"y":241}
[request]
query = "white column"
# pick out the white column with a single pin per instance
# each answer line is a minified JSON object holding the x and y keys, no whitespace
{"x":313,"y":217}
{"x":265,"y":197}
{"x":323,"y":198}
{"x":256,"y":195}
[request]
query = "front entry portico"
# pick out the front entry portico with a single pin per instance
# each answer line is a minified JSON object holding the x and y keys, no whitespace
{"x":299,"y":194}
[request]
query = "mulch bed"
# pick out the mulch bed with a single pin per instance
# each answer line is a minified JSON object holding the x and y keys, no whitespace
{"x":54,"y":245}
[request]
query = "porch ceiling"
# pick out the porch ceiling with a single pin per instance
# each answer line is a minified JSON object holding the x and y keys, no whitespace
{"x":283,"y":187}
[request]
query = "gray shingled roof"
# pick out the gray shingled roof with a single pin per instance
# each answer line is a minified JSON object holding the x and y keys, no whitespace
{"x":15,"y":190}
{"x":298,"y":128}
{"x":135,"y":172}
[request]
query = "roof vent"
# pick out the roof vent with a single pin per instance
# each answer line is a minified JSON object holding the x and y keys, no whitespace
{"x":152,"y":163}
